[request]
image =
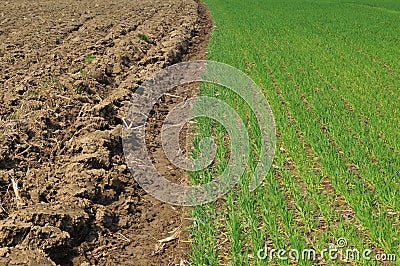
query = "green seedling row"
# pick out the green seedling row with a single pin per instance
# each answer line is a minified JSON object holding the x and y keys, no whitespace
{"x":330,"y":72}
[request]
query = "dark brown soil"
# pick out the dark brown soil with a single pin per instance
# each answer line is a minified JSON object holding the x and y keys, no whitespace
{"x":67,"y":72}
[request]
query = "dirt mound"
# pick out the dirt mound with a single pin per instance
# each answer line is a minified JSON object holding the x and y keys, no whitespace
{"x":67,"y":72}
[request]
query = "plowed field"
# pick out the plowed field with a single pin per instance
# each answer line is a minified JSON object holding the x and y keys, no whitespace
{"x":67,"y":72}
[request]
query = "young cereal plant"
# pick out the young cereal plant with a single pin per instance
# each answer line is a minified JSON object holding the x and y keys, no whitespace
{"x":89,"y":58}
{"x":30,"y":93}
{"x":82,"y":72}
{"x":143,"y":37}
{"x":51,"y":83}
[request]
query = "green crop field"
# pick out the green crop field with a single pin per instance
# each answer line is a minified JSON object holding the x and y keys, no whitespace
{"x":330,"y":71}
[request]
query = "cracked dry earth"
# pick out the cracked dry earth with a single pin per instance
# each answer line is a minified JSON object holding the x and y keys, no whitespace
{"x":67,"y":72}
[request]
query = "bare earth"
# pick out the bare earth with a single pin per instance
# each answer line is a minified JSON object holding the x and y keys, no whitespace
{"x":67,"y":72}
